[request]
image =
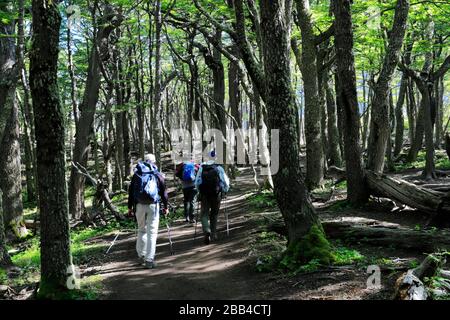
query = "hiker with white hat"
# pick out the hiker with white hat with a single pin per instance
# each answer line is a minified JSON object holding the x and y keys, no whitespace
{"x":147,"y":190}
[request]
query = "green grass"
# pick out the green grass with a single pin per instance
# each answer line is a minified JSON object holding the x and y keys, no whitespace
{"x":345,"y":256}
{"x":340,"y":206}
{"x":3,"y":276}
{"x":441,"y":162}
{"x":83,"y":252}
{"x":263,"y":200}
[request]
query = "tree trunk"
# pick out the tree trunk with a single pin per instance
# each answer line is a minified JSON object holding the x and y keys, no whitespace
{"x":10,"y":175}
{"x":70,"y":67}
{"x":140,"y":109}
{"x":10,"y":169}
{"x":157,"y":88}
{"x":5,"y":260}
{"x":126,"y":146}
{"x":28,"y":129}
{"x":399,"y":120}
{"x":333,"y":132}
{"x":8,"y":80}
{"x":99,"y":53}
{"x":417,"y":142}
{"x":439,"y":98}
{"x":119,"y":162}
{"x":401,"y":191}
{"x":379,"y":129}
{"x":233,"y":89}
{"x":290,"y":190}
{"x":314,"y":145}
{"x":387,"y":236}
{"x":347,"y":100}
{"x":390,"y":142}
{"x":49,"y":121}
{"x":411,"y":110}
{"x":429,"y":172}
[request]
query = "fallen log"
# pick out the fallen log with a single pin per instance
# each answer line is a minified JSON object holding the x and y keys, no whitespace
{"x":379,"y":235}
{"x":410,"y":286}
{"x":102,"y":197}
{"x":402,"y":191}
{"x":441,"y":187}
{"x":419,"y":240}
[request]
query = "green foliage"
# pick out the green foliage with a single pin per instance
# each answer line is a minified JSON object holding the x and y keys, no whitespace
{"x":413,"y":264}
{"x":3,"y":276}
{"x":441,"y":162}
{"x":263,"y":200}
{"x":90,"y":287}
{"x":313,"y":246}
{"x":340,"y":205}
{"x":266,"y":263}
{"x":344,"y":256}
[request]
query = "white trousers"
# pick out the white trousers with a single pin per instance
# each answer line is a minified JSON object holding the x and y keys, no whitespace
{"x":147,"y":216}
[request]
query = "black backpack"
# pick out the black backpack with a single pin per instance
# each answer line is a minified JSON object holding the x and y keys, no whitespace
{"x":211,"y":184}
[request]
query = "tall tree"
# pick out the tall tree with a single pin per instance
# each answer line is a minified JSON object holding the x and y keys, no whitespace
{"x":28,"y":125}
{"x":379,"y":129}
{"x":157,"y":88}
{"x":10,"y":165}
{"x":425,"y":83}
{"x":334,"y":152}
{"x":49,"y":120}
{"x":110,"y":20}
{"x":8,"y":80}
{"x":308,"y":67}
{"x":399,"y":119}
{"x":346,"y":93}
{"x":290,"y":190}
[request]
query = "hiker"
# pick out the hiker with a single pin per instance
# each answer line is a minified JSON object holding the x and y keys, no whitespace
{"x":212,"y":182}
{"x":147,"y":189}
{"x":186,"y":172}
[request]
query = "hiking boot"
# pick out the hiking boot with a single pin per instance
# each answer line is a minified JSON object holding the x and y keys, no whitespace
{"x":192,"y":220}
{"x":207,"y":238}
{"x":150,"y":264}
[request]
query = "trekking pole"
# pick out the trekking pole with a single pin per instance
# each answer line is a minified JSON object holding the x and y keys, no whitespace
{"x":226,"y":216}
{"x":170,"y":239}
{"x":170,"y":236}
{"x":113,"y":242}
{"x":196,"y":220}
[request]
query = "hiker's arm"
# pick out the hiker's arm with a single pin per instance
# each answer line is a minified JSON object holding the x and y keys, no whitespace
{"x":198,"y":178}
{"x":163,"y":191}
{"x":225,"y":180}
{"x":130,"y":195}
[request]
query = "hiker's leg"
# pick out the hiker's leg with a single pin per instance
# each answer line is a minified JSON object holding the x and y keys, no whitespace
{"x":189,"y":194}
{"x":191,"y":206}
{"x":186,"y":203}
{"x":215,"y":208}
{"x":204,"y":215}
{"x":152,"y":231}
{"x":141,"y":226}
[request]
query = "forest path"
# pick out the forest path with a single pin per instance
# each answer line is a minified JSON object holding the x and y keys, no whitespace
{"x":195,"y":271}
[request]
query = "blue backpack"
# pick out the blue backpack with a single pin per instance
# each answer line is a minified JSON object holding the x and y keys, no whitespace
{"x":145,"y":186}
{"x":188,"y":172}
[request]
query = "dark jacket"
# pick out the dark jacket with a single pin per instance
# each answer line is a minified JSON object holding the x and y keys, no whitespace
{"x":161,"y":190}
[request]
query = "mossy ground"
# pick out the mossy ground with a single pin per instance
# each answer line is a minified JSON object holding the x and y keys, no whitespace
{"x":441,"y":162}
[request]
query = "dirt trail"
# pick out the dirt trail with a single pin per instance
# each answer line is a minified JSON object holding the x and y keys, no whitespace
{"x":225,"y":270}
{"x":195,"y":271}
